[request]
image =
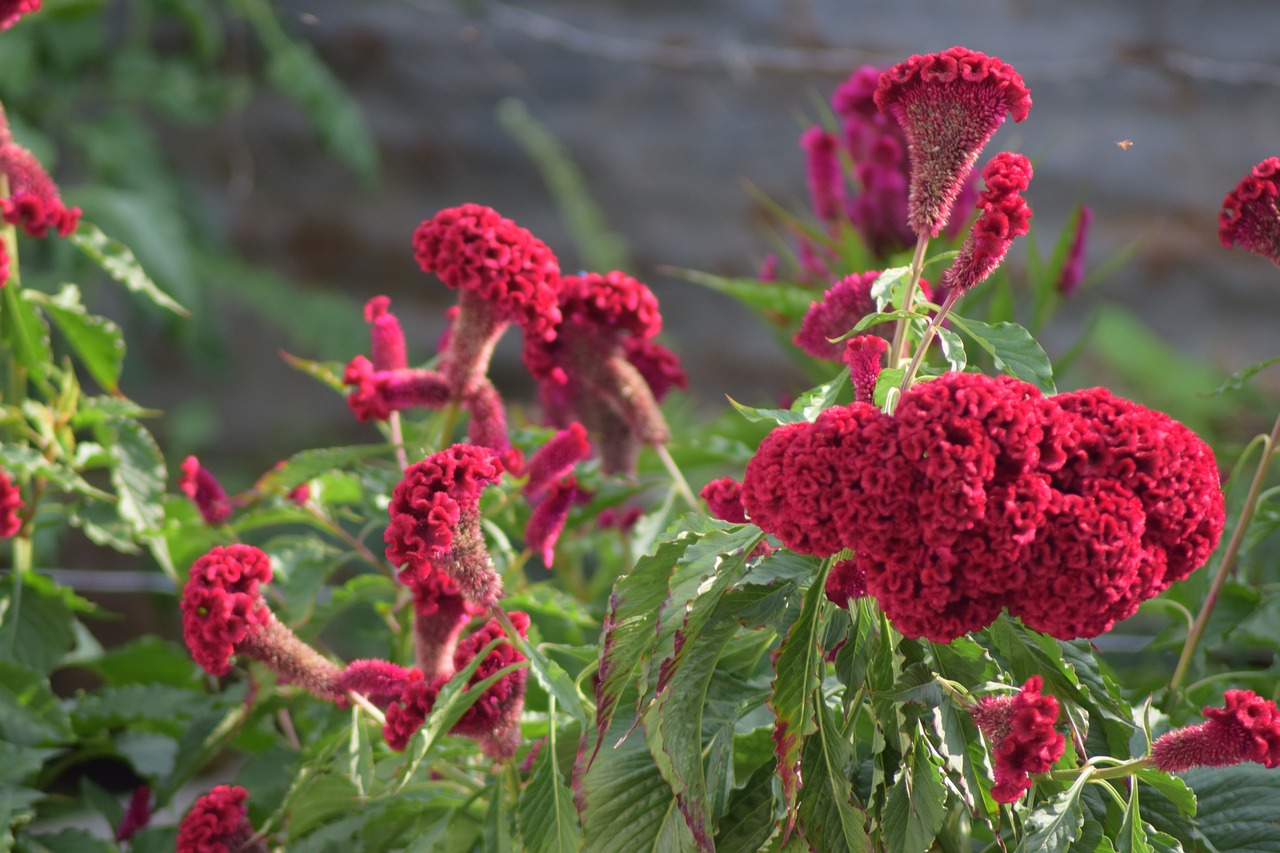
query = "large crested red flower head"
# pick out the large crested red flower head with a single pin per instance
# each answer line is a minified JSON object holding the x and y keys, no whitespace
{"x":12,"y":10}
{"x":33,"y":201}
{"x":204,"y":490}
{"x":475,"y":249}
{"x":10,"y":505}
{"x":1250,"y":215}
{"x":1002,"y":215}
{"x":222,"y":605}
{"x":218,"y":823}
{"x":435,"y":519}
{"x":1023,"y":741}
{"x":948,"y":104}
{"x":612,"y":301}
{"x":1246,"y":728}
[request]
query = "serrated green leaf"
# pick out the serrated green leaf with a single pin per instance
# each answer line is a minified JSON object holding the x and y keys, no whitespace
{"x":96,"y":341}
{"x":748,"y":823}
{"x":827,"y":817}
{"x":777,"y":416}
{"x":795,"y":687}
{"x":953,"y":349}
{"x":30,"y":714}
{"x":1056,"y":822}
{"x":151,"y":754}
{"x":35,"y":626}
{"x":914,"y":808}
{"x":324,"y":798}
{"x":1172,"y":787}
{"x":1015,"y":351}
{"x":138,"y":474}
{"x":1132,"y":837}
{"x":117,"y":261}
{"x":118,"y":706}
{"x":17,"y":762}
{"x":547,"y":819}
{"x":1237,"y":807}
{"x":25,"y":332}
{"x":309,"y":464}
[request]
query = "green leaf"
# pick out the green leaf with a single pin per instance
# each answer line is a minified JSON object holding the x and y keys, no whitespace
{"x":1237,"y":807}
{"x":827,"y":817}
{"x":1236,"y":381}
{"x":1133,"y":834}
{"x":30,"y":714}
{"x":887,"y":288}
{"x":35,"y":626}
{"x":117,"y":261}
{"x":1056,"y":822}
{"x":795,"y":687}
{"x":914,"y":808}
{"x":1173,"y":788}
{"x":320,"y":800}
{"x":748,"y":824}
{"x":138,"y":474}
{"x":771,"y":297}
{"x":548,"y":821}
{"x":952,"y":349}
{"x":96,"y":341}
{"x":889,"y":380}
{"x":360,"y":754}
{"x":118,"y":706}
{"x":777,"y":416}
{"x":17,"y":762}
{"x":309,"y":464}
{"x":811,"y":403}
{"x":1015,"y":351}
{"x":151,"y":754}
{"x":25,"y":332}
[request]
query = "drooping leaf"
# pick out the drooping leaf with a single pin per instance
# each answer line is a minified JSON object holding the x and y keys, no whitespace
{"x":914,"y":807}
{"x":953,"y":349}
{"x":829,"y":820}
{"x":748,"y":824}
{"x":1236,"y":381}
{"x":25,"y":332}
{"x":1015,"y":351}
{"x":1056,"y":823}
{"x":117,"y":261}
{"x":790,"y":302}
{"x":35,"y":626}
{"x":777,"y":416}
{"x":309,"y":464}
{"x":138,"y":474}
{"x":96,"y":341}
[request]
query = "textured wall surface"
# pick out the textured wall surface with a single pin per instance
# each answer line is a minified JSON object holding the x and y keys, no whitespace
{"x":668,"y":106}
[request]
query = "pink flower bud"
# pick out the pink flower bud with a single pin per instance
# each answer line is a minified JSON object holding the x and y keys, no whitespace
{"x":204,"y":490}
{"x":386,"y":338}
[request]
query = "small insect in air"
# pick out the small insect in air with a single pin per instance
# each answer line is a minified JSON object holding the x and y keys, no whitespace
{"x":1124,"y":144}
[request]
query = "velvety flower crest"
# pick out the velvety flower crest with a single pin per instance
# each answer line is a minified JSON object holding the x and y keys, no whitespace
{"x":948,"y":104}
{"x":724,"y":500}
{"x":377,"y":393}
{"x":10,"y":505}
{"x":218,"y":823}
{"x":1021,"y":731}
{"x":222,"y":605}
{"x":386,"y":338}
{"x":1002,"y":215}
{"x":1246,"y":728}
{"x":204,"y":490}
{"x":1250,"y":216}
{"x":33,"y":201}
{"x":864,"y":356}
{"x":846,"y":582}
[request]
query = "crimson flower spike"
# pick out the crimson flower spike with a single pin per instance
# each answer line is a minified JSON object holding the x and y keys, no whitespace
{"x":33,"y":201}
{"x":1023,"y":740}
{"x":1246,"y":728}
{"x":949,"y":105}
{"x":10,"y":505}
{"x":1003,"y":215}
{"x":219,"y":821}
{"x":1250,"y":215}
{"x":204,"y":490}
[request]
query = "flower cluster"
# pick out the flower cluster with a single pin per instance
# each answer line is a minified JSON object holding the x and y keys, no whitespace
{"x":839,"y":310}
{"x":33,"y":201}
{"x":1246,"y":728}
{"x":603,"y":368}
{"x":948,"y":105}
{"x":1023,"y":741}
{"x":10,"y":505}
{"x":218,"y":823}
{"x":980,"y":494}
{"x":1002,"y":216}
{"x":1250,"y":216}
{"x":435,"y":520}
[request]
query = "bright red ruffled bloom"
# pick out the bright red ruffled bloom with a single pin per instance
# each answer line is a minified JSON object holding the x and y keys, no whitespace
{"x":1023,"y":741}
{"x":549,"y":516}
{"x":846,"y":582}
{"x":1250,"y":216}
{"x":594,"y":372}
{"x":949,"y":105}
{"x":218,"y":823}
{"x":10,"y":505}
{"x":825,"y":174}
{"x":724,"y":500}
{"x":1002,"y":215}
{"x":839,"y":310}
{"x":1246,"y":728}
{"x":864,"y":356}
{"x":222,"y":605}
{"x":435,"y":519}
{"x":204,"y":490}
{"x":12,"y":10}
{"x":386,"y":338}
{"x":33,"y":202}
{"x":1072,"y":272}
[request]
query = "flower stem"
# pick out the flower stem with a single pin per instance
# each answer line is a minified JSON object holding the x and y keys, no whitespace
{"x":681,"y":484}
{"x":926,"y":339}
{"x":397,"y":438}
{"x":897,"y":349}
{"x":1228,"y":563}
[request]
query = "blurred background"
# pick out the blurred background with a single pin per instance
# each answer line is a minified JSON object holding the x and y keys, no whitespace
{"x":268,"y":163}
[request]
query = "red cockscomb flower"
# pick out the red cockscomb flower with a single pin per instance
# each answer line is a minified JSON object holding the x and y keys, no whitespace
{"x":218,"y":823}
{"x":386,"y":338}
{"x":825,"y":174}
{"x":1246,"y":728}
{"x":12,"y":10}
{"x":864,"y":356}
{"x":33,"y":202}
{"x":502,"y":272}
{"x":1250,"y":215}
{"x":948,"y":104}
{"x":435,"y":519}
{"x":847,"y":581}
{"x":10,"y":505}
{"x":839,"y":310}
{"x":204,"y":490}
{"x":658,"y":366}
{"x":724,"y":500}
{"x":1020,"y":729}
{"x":378,"y":393}
{"x":1002,"y":215}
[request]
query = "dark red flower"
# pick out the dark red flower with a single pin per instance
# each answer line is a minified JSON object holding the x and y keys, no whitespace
{"x":1072,"y":272}
{"x":838,"y":311}
{"x":724,"y":500}
{"x":10,"y":505}
{"x":549,"y":516}
{"x":440,"y":615}
{"x":379,"y":681}
{"x":222,"y":605}
{"x":405,"y":716}
{"x":1020,"y":729}
{"x":218,"y":823}
{"x":1250,"y":216}
{"x":435,"y":519}
{"x":33,"y":202}
{"x":658,"y":366}
{"x":204,"y":490}
{"x":557,"y":458}
{"x":825,"y":173}
{"x":948,"y":104}
{"x":137,"y":815}
{"x":847,"y":581}
{"x":12,"y":10}
{"x":1246,"y":728}
{"x":386,"y":338}
{"x":865,"y":355}
{"x":1002,"y":215}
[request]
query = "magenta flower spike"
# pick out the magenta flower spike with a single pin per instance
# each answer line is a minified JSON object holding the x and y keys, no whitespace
{"x":549,"y":516}
{"x":218,"y":823}
{"x":386,"y":338}
{"x":1246,"y":728}
{"x":435,"y":520}
{"x":724,"y":500}
{"x":1002,"y":215}
{"x":376,"y":393}
{"x":502,"y":274}
{"x":12,"y":10}
{"x":10,"y":505}
{"x":440,"y":614}
{"x":864,"y":356}
{"x":4,"y":265}
{"x":949,"y":105}
{"x":557,"y":458}
{"x":33,"y":201}
{"x":1250,"y":215}
{"x":846,"y":582}
{"x":204,"y":490}
{"x":1073,"y":268}
{"x":825,"y":174}
{"x":1021,"y":731}
{"x":223,"y":613}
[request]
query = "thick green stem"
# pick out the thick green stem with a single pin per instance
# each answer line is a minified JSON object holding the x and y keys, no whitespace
{"x":898,"y":349}
{"x":1228,"y":563}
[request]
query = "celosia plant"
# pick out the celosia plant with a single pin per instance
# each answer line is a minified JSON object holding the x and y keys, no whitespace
{"x":515,"y":625}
